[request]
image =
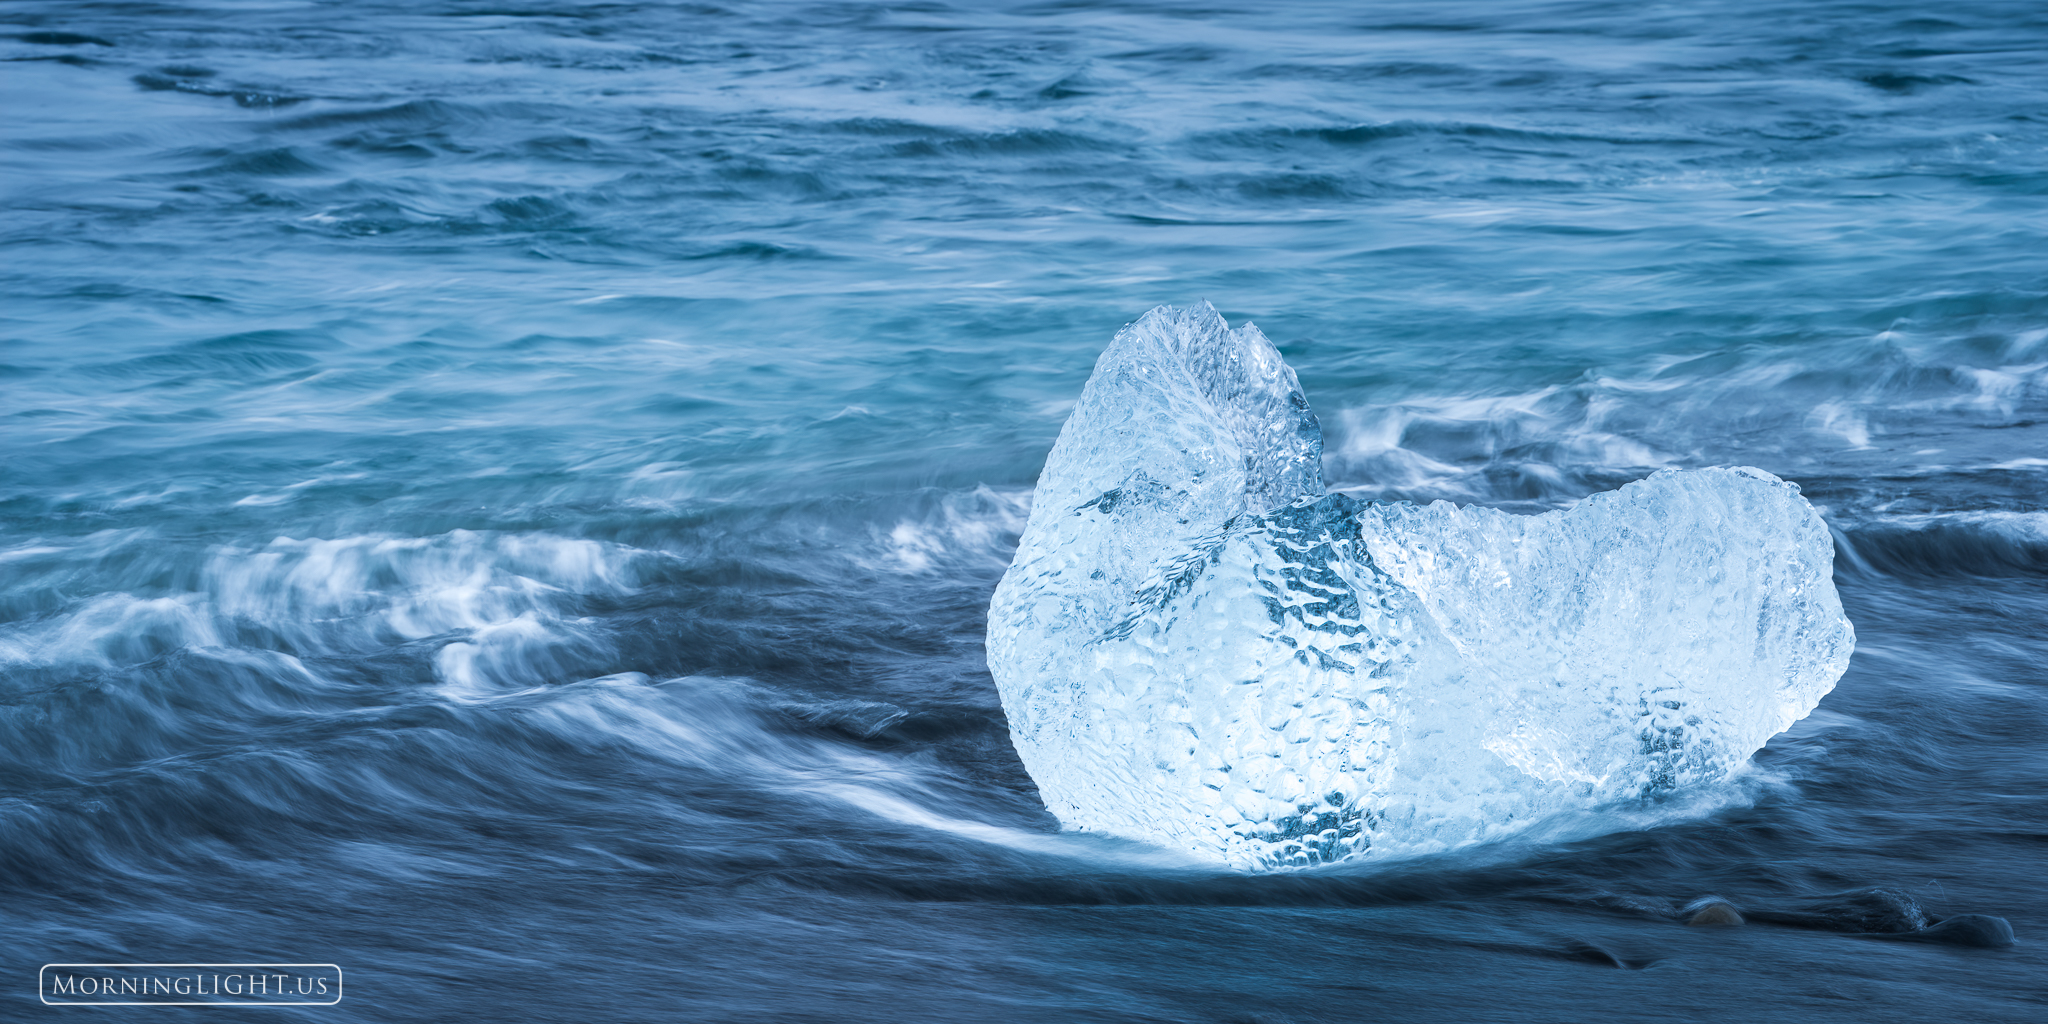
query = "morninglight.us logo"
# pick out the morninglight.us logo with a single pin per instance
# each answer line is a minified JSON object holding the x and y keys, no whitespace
{"x":190,"y":984}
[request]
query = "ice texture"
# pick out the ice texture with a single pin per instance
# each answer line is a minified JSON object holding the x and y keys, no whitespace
{"x":1199,"y":648}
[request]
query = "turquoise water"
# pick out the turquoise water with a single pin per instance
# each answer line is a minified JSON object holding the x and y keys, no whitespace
{"x":502,"y":497}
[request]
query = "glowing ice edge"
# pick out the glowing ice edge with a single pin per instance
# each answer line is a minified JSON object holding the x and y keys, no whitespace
{"x":1199,"y":648}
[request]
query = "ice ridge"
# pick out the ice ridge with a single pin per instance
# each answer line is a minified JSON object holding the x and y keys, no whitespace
{"x":1199,"y":648}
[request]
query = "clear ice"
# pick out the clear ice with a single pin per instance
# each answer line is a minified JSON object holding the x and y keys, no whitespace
{"x":1199,"y":648}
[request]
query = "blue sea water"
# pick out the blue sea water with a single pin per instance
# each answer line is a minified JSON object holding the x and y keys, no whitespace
{"x":503,"y":496}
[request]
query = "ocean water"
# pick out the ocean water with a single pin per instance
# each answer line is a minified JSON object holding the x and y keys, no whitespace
{"x":503,"y":496}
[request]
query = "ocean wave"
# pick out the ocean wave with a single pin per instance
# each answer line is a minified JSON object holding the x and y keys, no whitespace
{"x":979,"y":527}
{"x":1798,"y":415}
{"x":501,"y":611}
{"x":1986,"y":543}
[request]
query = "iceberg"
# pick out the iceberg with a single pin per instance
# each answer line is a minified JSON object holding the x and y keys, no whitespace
{"x":1199,"y":648}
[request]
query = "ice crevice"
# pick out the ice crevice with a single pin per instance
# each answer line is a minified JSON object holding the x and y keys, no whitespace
{"x":1198,"y":647}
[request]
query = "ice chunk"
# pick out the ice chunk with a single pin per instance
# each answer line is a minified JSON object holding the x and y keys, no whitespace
{"x":1199,"y":648}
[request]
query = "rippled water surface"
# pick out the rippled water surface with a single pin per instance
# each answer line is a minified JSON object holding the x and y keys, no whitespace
{"x":503,"y":496}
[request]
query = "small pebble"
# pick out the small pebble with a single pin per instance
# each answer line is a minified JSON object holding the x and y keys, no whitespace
{"x":1715,"y":915}
{"x":1980,"y":930}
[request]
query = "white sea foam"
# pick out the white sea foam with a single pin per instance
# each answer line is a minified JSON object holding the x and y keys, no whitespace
{"x":501,"y":606}
{"x":2024,"y":527}
{"x":972,"y":528}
